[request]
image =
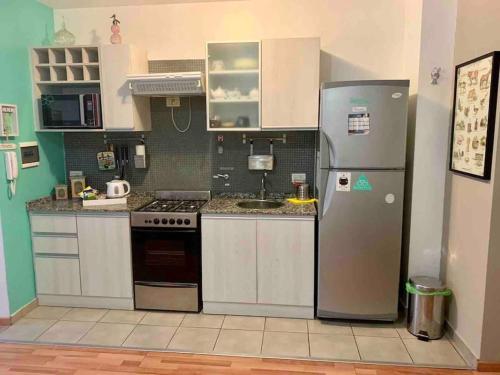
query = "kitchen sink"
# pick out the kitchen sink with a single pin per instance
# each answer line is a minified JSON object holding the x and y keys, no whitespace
{"x":260,"y":204}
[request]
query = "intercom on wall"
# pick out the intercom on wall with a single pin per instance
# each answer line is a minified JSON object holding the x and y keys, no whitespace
{"x":11,"y":170}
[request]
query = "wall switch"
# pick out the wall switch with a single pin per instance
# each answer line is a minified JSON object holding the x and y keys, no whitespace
{"x":173,"y":101}
{"x":298,"y":178}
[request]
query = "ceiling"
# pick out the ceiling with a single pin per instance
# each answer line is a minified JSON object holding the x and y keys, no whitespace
{"x":67,"y":4}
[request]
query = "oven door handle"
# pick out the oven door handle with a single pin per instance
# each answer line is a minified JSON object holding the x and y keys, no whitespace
{"x":166,"y":284}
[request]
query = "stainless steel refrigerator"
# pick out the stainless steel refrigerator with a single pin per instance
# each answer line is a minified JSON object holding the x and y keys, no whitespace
{"x":360,"y":182}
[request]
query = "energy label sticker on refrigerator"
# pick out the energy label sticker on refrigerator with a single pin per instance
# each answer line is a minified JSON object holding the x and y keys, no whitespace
{"x":362,"y":184}
{"x":358,"y":123}
{"x":343,"y":181}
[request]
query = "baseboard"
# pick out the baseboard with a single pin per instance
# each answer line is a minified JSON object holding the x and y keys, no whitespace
{"x":19,"y":313}
{"x":83,"y":301}
{"x":4,"y":321}
{"x":488,"y":366}
{"x":253,"y":309}
{"x":461,"y":347}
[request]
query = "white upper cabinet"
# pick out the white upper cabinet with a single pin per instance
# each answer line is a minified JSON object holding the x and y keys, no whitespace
{"x":265,"y":85}
{"x":290,"y":83}
{"x":78,"y":70}
{"x":233,"y":86}
{"x":122,"y":110}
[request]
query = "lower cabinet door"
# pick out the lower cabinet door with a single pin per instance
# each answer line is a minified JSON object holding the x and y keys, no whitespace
{"x":285,"y":262}
{"x":105,"y":256}
{"x":229,"y":260}
{"x":58,"y":276}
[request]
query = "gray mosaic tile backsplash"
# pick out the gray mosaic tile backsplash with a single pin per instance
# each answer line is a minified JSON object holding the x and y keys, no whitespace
{"x":188,"y":161}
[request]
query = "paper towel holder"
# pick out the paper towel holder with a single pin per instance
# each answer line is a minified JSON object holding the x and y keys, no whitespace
{"x":261,"y":162}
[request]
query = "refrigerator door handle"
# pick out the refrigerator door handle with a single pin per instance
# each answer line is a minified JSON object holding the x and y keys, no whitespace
{"x":327,"y":154}
{"x":324,"y":200}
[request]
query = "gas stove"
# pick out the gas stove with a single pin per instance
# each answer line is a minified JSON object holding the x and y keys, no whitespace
{"x":171,"y":209}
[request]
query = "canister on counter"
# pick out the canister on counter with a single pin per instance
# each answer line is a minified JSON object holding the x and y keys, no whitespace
{"x":302,"y":192}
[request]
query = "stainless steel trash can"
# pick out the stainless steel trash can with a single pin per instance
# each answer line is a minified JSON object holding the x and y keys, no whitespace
{"x":426,"y":308}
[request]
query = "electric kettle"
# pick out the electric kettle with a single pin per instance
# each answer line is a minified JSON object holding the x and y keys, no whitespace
{"x":117,"y":188}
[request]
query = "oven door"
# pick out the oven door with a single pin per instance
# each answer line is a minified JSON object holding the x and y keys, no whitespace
{"x":167,"y":269}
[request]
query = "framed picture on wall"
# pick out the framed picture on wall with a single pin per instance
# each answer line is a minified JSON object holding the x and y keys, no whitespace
{"x":474,"y":112}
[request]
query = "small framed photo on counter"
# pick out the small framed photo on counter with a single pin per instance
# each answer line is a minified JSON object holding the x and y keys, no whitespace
{"x":474,"y":112}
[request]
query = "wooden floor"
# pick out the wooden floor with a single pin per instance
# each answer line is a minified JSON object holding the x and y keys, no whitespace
{"x":48,"y":359}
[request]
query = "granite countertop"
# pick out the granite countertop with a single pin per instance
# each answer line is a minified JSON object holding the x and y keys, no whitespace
{"x":227,"y":205}
{"x":48,"y":204}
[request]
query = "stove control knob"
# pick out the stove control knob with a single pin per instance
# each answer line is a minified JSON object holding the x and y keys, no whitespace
{"x":171,"y":221}
{"x":164,"y":221}
{"x":179,"y":221}
{"x":187,"y":221}
{"x":156,"y":221}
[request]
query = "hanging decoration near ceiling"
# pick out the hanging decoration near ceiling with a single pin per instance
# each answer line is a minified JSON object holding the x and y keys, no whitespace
{"x":116,"y":38}
{"x":476,"y":85}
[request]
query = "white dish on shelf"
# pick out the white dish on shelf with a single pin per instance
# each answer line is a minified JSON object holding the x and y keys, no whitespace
{"x":245,"y":63}
{"x":234,"y":72}
{"x":254,"y":93}
{"x":218,"y":65}
{"x":233,"y":94}
{"x":218,"y":93}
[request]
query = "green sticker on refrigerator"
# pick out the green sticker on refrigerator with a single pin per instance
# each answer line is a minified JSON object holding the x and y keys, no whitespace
{"x":362,"y":184}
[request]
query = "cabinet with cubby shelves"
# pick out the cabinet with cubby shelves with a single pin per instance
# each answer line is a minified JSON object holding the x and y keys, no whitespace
{"x":80,"y":70}
{"x":70,"y":64}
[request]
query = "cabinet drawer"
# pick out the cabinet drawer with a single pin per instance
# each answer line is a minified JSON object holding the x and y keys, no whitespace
{"x":55,"y":245}
{"x":58,"y":276}
{"x":53,"y":224}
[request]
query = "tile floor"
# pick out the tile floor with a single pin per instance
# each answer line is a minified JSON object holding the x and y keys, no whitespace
{"x":238,"y":335}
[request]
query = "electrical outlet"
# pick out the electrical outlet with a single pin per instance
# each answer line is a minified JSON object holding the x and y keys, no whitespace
{"x":173,"y":101}
{"x":75,"y":173}
{"x":298,"y":178}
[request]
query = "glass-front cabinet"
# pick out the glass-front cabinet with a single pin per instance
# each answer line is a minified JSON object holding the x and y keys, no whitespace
{"x":233,"y":86}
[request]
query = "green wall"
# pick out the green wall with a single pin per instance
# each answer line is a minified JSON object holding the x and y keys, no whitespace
{"x":24,"y":23}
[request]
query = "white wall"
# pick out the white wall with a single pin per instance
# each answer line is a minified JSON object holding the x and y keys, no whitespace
{"x":431,"y":137}
{"x":413,"y":31}
{"x":361,"y":39}
{"x":4,"y":298}
{"x":470,"y":200}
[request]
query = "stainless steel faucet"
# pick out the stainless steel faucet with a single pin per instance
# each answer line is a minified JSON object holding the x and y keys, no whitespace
{"x":262,"y":192}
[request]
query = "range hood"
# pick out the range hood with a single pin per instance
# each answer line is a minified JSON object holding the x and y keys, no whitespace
{"x":167,"y":84}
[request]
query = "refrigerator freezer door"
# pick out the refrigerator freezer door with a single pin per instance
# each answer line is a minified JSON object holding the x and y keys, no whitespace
{"x":364,"y":124}
{"x":360,"y":245}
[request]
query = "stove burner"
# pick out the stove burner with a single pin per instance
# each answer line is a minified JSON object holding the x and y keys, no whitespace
{"x":173,"y":206}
